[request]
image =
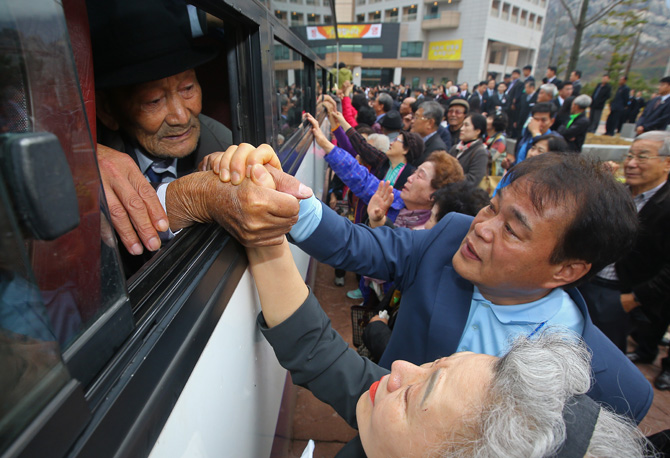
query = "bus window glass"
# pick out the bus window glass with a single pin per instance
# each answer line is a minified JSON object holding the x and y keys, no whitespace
{"x":77,"y":274}
{"x":32,"y":371}
{"x":288,"y":72}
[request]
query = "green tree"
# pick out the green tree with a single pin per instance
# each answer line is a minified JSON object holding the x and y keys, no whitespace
{"x":582,"y":22}
{"x":625,"y":27}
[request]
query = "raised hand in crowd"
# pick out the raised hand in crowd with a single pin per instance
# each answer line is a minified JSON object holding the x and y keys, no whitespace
{"x":380,"y":203}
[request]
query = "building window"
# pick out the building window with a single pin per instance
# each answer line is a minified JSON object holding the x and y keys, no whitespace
{"x":495,"y":8}
{"x":282,"y":16}
{"x":409,"y":13}
{"x":411,"y":49}
{"x":524,"y":18}
{"x":374,"y":16}
{"x":415,"y":82}
{"x":375,"y":1}
{"x":531,"y":20}
{"x":297,"y":18}
{"x":505,"y":11}
{"x":360,"y":2}
{"x":313,"y":19}
{"x":539,"y":23}
{"x":360,"y":18}
{"x":391,"y":15}
{"x":432,"y":11}
{"x":327,"y":19}
{"x":515,"y":15}
{"x":310,"y":2}
{"x":326,"y":2}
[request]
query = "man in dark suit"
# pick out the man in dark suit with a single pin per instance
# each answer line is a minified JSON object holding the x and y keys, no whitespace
{"x":457,"y":111}
{"x":636,"y":105}
{"x":479,"y":100}
{"x":526,"y":102}
{"x":618,"y":107}
{"x":656,"y":114}
{"x":513,"y":93}
{"x":601,"y":95}
{"x":637,"y":286}
{"x":550,"y":76}
{"x":459,"y":273}
{"x":148,"y":107}
{"x":426,"y":123}
{"x":528,"y":74}
{"x":576,"y":82}
{"x":575,"y":128}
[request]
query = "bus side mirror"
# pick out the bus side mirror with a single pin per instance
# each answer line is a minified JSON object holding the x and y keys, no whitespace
{"x":40,"y":184}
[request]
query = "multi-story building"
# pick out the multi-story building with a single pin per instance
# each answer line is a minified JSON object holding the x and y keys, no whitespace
{"x":421,"y":42}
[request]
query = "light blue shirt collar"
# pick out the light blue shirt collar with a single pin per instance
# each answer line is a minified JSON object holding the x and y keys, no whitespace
{"x":532,"y":312}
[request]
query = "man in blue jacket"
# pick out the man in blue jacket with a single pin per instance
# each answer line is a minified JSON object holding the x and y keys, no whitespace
{"x":474,"y":284}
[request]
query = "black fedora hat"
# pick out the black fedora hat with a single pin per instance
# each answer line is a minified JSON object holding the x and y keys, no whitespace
{"x":138,"y":41}
{"x":391,"y":121}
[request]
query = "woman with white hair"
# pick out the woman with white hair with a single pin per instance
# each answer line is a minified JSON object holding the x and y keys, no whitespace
{"x":529,"y":403}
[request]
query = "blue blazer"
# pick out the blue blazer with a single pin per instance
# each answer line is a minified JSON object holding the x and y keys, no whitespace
{"x":436,"y":300}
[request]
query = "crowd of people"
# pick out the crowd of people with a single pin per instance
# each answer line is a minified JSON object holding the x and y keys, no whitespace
{"x":500,"y":321}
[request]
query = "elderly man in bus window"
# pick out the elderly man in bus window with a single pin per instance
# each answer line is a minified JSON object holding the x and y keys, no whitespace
{"x":150,"y":123}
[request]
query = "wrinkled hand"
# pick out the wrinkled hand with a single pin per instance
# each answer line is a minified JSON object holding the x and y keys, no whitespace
{"x":253,"y":212}
{"x":136,"y":212}
{"x":235,"y":163}
{"x":380,"y":203}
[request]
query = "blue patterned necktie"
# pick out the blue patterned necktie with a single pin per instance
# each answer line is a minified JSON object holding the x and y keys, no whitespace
{"x":158,"y":172}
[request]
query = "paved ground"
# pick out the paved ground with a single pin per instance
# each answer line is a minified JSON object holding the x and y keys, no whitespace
{"x":317,"y":421}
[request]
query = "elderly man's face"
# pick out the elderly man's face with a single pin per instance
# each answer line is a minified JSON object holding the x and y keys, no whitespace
{"x":416,"y":409}
{"x":544,"y":96}
{"x":643,"y":168}
{"x":162,"y":115}
{"x":456,"y":116}
{"x":406,"y":106}
{"x":507,"y":250}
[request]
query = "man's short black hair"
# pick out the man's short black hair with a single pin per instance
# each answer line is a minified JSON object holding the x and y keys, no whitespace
{"x":366,"y":115}
{"x":563,"y":84}
{"x":578,"y":73}
{"x":544,"y":107}
{"x":528,"y":67}
{"x":604,"y":222}
{"x":517,"y":71}
{"x":461,"y":197}
{"x":553,"y":68}
{"x":665,"y":79}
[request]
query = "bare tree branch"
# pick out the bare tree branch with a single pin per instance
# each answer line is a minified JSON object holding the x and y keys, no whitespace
{"x":596,"y":17}
{"x":567,"y":9}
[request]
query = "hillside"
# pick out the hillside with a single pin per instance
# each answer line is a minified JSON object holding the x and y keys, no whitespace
{"x":651,"y":57}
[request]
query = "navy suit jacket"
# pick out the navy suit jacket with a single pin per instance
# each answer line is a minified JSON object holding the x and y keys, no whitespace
{"x":656,"y":116}
{"x":436,"y":300}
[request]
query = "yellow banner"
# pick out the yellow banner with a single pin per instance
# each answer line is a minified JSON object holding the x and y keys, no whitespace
{"x":445,"y":50}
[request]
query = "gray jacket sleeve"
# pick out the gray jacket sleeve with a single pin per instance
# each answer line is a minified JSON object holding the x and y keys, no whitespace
{"x":320,"y":360}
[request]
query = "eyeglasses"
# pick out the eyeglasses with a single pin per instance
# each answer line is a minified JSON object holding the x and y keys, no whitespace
{"x":640,"y":158}
{"x":423,"y":118}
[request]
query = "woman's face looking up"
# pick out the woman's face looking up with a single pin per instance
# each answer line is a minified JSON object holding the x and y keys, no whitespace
{"x":416,"y":408}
